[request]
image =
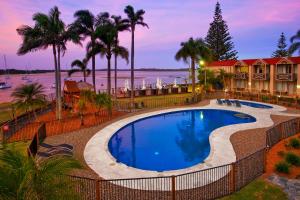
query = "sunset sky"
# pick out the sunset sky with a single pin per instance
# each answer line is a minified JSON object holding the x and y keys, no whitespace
{"x":255,"y":26}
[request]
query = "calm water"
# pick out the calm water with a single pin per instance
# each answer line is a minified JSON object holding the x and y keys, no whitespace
{"x":170,"y":141}
{"x":47,"y":80}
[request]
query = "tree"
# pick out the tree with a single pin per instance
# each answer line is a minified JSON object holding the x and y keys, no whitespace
{"x":49,"y":30}
{"x":21,"y":177}
{"x":195,"y":50}
{"x":295,"y":46}
{"x":224,"y":76}
{"x":80,"y":66}
{"x":133,"y":19}
{"x":103,"y":100}
{"x":121,"y":25}
{"x":105,"y":45}
{"x":218,"y":38}
{"x":281,"y":51}
{"x":85,"y":25}
{"x":27,"y":97}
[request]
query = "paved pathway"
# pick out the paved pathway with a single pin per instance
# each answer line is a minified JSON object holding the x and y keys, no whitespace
{"x":290,"y":186}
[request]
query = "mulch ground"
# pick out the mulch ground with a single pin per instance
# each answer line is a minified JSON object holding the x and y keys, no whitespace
{"x":273,"y":157}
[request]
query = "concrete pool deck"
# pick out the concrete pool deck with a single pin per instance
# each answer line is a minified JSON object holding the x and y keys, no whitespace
{"x":99,"y":159}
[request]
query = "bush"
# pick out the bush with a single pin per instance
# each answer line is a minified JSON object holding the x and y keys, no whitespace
{"x":292,"y":159}
{"x":295,"y":143}
{"x":282,"y":167}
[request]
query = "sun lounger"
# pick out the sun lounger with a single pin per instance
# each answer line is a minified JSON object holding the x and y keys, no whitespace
{"x":62,"y":146}
{"x":219,"y":102}
{"x":228,"y":103}
{"x":49,"y":154}
{"x":237,"y":104}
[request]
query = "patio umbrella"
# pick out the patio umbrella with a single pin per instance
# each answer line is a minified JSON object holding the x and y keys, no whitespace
{"x":175,"y":83}
{"x":126,"y":85}
{"x":143,"y":85}
{"x":158,"y":83}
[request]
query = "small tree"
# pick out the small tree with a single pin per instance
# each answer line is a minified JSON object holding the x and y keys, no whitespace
{"x":295,"y":46}
{"x":103,"y":100}
{"x":28,"y":97}
{"x":21,"y":177}
{"x":80,"y":66}
{"x":282,"y":50}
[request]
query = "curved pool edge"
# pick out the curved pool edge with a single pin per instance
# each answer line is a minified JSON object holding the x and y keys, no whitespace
{"x":106,"y":166}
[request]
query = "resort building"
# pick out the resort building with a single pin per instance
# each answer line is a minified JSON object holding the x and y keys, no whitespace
{"x":275,"y":76}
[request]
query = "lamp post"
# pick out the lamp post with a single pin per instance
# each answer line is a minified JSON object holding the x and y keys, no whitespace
{"x":201,"y":64}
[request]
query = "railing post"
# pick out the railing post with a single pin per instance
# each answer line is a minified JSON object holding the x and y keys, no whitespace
{"x":233,"y":173}
{"x":173,"y":182}
{"x":97,"y":189}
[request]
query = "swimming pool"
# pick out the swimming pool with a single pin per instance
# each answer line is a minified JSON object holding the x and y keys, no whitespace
{"x":255,"y":105}
{"x":170,"y":141}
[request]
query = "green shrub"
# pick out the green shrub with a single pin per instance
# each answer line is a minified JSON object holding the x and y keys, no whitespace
{"x":295,"y":143}
{"x":281,"y":153}
{"x":282,"y":167}
{"x":292,"y":159}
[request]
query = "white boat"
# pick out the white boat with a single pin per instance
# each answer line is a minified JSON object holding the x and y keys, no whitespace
{"x":4,"y":85}
{"x":53,"y":85}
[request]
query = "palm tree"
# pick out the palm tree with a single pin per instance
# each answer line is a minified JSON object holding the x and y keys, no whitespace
{"x":105,"y":46}
{"x":80,"y":66}
{"x":133,"y":19}
{"x":49,"y":30}
{"x":193,"y":49}
{"x":27,"y":97}
{"x":121,"y":25}
{"x":85,"y":25}
{"x":21,"y":177}
{"x":295,"y":40}
{"x":224,"y":76}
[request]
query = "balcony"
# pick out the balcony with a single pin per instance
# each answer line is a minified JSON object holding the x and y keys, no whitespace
{"x":241,"y":75}
{"x":261,"y":76}
{"x":286,"y":77}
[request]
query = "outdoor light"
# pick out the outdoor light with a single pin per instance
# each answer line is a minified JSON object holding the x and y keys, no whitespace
{"x":249,"y":83}
{"x":298,"y":86}
{"x":202,"y":62}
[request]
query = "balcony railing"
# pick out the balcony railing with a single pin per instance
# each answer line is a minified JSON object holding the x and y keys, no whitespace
{"x":286,"y":77}
{"x":241,"y":75}
{"x":261,"y":76}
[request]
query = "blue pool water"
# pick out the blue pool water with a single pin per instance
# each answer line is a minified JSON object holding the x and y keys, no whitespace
{"x":170,"y":141}
{"x":255,"y":105}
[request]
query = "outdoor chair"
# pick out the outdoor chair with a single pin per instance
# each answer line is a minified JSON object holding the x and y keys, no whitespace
{"x":52,"y":153}
{"x":219,"y":102}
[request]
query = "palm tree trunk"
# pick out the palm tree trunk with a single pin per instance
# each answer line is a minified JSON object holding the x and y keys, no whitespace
{"x":116,"y":65}
{"x":56,"y":81}
{"x":108,"y":76}
{"x":193,"y":77}
{"x":84,"y":76}
{"x":132,"y":68}
{"x":94,"y":66}
{"x":59,"y":99}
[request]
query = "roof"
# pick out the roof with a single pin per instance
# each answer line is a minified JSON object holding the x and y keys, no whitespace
{"x":71,"y":86}
{"x":270,"y":61}
{"x":84,"y":86}
{"x":222,"y":63}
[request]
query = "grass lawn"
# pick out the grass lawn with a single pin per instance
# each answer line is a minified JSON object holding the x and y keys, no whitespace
{"x":258,"y":189}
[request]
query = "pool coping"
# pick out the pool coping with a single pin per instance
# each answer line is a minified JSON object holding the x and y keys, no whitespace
{"x":107,"y":167}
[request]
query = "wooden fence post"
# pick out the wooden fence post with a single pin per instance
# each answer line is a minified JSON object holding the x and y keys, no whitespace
{"x":173,"y":179}
{"x":97,"y":189}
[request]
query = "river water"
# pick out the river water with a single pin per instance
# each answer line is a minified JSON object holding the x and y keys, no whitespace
{"x":48,"y":79}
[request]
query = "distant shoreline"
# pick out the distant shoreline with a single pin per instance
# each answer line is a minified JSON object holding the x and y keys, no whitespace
{"x":37,"y":71}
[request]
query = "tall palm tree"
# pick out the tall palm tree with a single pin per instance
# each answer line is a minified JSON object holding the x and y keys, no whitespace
{"x":22,"y":178}
{"x":85,"y":25}
{"x":133,"y":19}
{"x":193,"y":49}
{"x":121,"y":25}
{"x":27,"y":97}
{"x":80,"y":66}
{"x":47,"y":32}
{"x":105,"y":46}
{"x":295,"y":46}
